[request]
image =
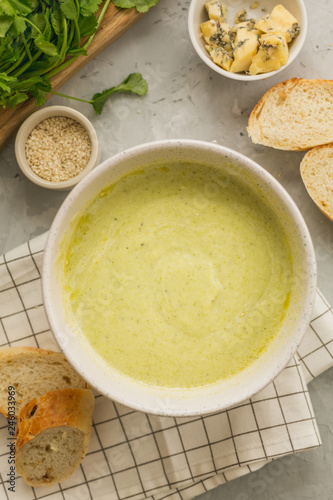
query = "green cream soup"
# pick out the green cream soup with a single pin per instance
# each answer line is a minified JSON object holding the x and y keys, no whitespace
{"x":178,"y":276}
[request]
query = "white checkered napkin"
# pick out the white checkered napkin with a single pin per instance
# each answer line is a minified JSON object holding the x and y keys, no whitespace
{"x":133,"y":455}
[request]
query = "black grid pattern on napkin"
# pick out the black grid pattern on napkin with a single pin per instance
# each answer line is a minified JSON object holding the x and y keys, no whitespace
{"x":133,"y":455}
{"x":316,"y":351}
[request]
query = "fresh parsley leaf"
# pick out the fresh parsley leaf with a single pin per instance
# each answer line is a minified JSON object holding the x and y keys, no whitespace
{"x":77,"y":52}
{"x":6,"y":8}
{"x":87,"y":25}
{"x":133,"y":84}
{"x":17,"y":98}
{"x":38,"y":20}
{"x":88,"y":7}
{"x":7,"y":82}
{"x":68,"y":8}
{"x":48,"y":28}
{"x":8,"y":53}
{"x":39,"y":95}
{"x":36,"y":67}
{"x":22,"y":7}
{"x":124,"y":4}
{"x":17,"y":27}
{"x":45,"y":84}
{"x":5,"y":24}
{"x":25,"y":84}
{"x":47,"y":47}
{"x":40,"y":90}
{"x":140,"y":5}
{"x":56,"y":22}
{"x":34,"y":4}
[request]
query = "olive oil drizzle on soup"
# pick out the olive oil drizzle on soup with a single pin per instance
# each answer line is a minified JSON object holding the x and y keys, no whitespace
{"x":178,"y":276}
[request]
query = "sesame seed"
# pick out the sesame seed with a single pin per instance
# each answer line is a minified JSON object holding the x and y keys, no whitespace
{"x":58,"y":148}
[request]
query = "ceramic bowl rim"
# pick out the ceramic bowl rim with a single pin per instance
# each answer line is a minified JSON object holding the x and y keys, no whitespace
{"x":226,"y":152}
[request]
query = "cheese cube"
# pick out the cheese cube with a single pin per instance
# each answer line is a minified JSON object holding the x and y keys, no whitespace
{"x":208,"y":29}
{"x":280,"y":19}
{"x":216,"y":10}
{"x":245,"y":45}
{"x":216,"y":34}
{"x":221,"y":57}
{"x":241,"y":16}
{"x":272,"y":54}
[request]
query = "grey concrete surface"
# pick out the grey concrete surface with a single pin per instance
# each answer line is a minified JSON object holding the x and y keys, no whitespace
{"x":188,"y":100}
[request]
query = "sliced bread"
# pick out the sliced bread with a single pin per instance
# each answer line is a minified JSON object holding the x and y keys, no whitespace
{"x":33,"y":372}
{"x":294,"y":115}
{"x":53,"y":434}
{"x":317,"y":175}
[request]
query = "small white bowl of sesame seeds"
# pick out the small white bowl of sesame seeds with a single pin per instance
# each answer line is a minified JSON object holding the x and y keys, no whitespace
{"x":56,"y":147}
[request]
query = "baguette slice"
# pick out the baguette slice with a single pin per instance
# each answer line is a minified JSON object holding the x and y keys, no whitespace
{"x":294,"y":115}
{"x":33,"y":372}
{"x":317,"y":175}
{"x":53,"y":434}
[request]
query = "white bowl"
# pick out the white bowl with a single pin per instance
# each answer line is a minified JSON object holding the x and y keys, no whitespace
{"x":201,"y":400}
{"x":31,"y":122}
{"x":197,"y":14}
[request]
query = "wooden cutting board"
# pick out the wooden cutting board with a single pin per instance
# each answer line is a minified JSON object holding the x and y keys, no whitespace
{"x":115,"y":23}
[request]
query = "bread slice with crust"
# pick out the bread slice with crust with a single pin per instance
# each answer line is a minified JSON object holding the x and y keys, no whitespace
{"x":33,"y":372}
{"x":317,"y":175}
{"x":53,"y":434}
{"x":294,"y":115}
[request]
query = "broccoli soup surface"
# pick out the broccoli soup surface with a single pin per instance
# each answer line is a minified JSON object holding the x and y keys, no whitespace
{"x":177,"y":275}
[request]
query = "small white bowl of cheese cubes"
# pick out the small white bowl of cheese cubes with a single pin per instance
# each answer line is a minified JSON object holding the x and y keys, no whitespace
{"x":247,"y":40}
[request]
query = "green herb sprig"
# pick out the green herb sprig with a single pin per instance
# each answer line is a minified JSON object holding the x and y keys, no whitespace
{"x":40,"y":38}
{"x":140,"y":5}
{"x":133,"y":84}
